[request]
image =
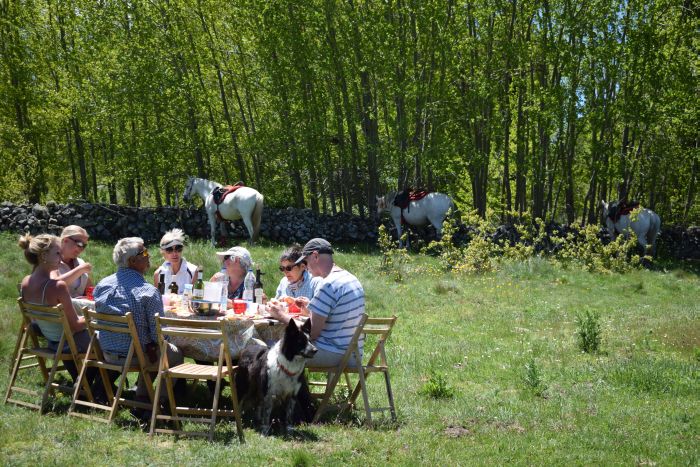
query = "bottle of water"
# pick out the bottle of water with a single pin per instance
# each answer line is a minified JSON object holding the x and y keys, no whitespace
{"x":167,"y":271}
{"x":187,"y":297}
{"x":223,"y":301}
{"x":249,"y":286}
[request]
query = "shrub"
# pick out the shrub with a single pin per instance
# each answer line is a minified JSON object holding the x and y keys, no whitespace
{"x":437,"y":387}
{"x":588,"y":332}
{"x":533,"y":378}
{"x":393,"y":258}
{"x":583,"y":247}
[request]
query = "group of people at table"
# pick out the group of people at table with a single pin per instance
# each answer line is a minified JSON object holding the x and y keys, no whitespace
{"x":332,"y":297}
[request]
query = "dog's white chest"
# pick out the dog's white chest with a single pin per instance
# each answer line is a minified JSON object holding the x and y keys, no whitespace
{"x":282,"y":384}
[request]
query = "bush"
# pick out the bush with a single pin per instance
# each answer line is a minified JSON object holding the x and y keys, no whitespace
{"x":588,"y":332}
{"x":393,"y":258}
{"x":437,"y":387}
{"x":533,"y":378}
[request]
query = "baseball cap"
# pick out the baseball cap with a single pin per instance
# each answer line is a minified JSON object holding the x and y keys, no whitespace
{"x":238,"y":252}
{"x":315,"y":244}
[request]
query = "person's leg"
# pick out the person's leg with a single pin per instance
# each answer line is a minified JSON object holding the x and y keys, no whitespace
{"x":324,"y":358}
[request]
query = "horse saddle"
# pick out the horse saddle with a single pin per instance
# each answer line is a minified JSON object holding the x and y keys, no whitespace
{"x":617,"y":209}
{"x":220,"y":193}
{"x":403,"y":198}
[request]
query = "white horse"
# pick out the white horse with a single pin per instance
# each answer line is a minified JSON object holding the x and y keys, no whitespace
{"x":430,"y":209}
{"x":646,"y":224}
{"x":244,"y":203}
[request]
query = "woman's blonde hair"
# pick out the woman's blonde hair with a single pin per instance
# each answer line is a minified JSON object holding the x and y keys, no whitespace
{"x":172,"y":238}
{"x":36,"y":247}
{"x":71,"y":230}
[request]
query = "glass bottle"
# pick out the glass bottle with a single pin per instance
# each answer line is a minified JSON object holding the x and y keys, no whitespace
{"x":173,"y":288}
{"x":198,"y":290}
{"x":161,"y":283}
{"x":258,"y":287}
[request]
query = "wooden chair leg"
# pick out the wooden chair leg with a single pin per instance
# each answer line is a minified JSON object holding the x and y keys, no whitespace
{"x":390,"y":395}
{"x":330,"y":387}
{"x":154,"y":410}
{"x":15,"y":368}
{"x":236,"y":408}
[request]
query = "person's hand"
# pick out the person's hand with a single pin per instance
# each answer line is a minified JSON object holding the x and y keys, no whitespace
{"x":301,"y":302}
{"x":276,"y":310}
{"x":152,"y":352}
{"x":85,"y":268}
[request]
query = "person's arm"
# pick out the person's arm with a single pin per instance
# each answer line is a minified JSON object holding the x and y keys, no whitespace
{"x":318,"y":322}
{"x":75,"y":322}
{"x":73,"y":274}
{"x":156,"y":277}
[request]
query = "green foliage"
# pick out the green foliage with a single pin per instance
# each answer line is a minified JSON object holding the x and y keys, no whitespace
{"x":325,"y":102}
{"x":437,"y":387}
{"x":533,"y":378}
{"x":394,"y":259}
{"x":583,"y":247}
{"x":588,"y":331}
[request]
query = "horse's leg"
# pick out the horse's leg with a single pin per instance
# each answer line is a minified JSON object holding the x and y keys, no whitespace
{"x":212,"y":229}
{"x":223,"y":231}
{"x":249,"y":225}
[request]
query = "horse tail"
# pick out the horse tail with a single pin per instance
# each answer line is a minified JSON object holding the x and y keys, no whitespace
{"x":257,"y":215}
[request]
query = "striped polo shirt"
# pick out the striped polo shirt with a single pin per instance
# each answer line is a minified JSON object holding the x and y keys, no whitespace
{"x":341,"y":299}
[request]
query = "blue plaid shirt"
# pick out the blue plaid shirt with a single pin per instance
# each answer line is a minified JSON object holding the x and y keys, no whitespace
{"x":124,"y":291}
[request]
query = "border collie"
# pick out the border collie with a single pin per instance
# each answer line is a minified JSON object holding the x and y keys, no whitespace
{"x":271,"y":378}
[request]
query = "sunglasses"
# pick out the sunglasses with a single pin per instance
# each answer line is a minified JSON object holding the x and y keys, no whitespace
{"x":78,"y":243}
{"x":177,"y":248}
{"x":143,"y":252}
{"x":288,"y":268}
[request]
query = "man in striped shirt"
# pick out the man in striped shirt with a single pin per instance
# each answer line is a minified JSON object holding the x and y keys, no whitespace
{"x":335,"y":308}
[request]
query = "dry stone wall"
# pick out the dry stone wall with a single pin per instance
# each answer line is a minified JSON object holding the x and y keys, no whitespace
{"x":110,"y":222}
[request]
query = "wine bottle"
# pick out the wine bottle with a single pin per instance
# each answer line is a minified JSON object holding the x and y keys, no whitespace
{"x":198,"y":291}
{"x":161,"y":283}
{"x":258,"y":287}
{"x":173,"y":288}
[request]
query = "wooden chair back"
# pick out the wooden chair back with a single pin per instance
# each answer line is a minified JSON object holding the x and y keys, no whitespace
{"x":29,"y":347}
{"x":376,"y":362}
{"x":195,"y":329}
{"x":120,"y":324}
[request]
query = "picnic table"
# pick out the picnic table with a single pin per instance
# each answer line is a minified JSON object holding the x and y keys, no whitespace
{"x":239,"y":329}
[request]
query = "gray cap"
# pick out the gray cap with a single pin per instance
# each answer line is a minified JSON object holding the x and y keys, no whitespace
{"x":315,"y":244}
{"x":238,"y":252}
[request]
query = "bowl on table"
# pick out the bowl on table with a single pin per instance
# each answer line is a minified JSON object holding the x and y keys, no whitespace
{"x":205,"y":307}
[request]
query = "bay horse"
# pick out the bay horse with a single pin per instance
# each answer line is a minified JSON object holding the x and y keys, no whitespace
{"x":644,"y":222}
{"x":245,"y":203}
{"x":430,"y":209}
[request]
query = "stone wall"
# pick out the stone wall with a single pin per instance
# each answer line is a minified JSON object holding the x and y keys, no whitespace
{"x":111,"y":222}
{"x":287,"y":225}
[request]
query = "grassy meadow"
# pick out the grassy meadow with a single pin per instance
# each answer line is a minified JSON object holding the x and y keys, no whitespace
{"x":501,"y":347}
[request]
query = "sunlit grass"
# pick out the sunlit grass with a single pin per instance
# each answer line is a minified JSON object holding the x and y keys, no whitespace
{"x":503,"y":342}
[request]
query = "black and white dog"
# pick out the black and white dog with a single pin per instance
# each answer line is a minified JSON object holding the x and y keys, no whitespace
{"x":270,"y":378}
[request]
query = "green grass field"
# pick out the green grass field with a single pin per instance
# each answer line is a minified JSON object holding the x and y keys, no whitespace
{"x":504,"y":344}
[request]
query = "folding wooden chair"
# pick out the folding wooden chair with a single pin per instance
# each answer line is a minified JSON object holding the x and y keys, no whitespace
{"x":195,"y":329}
{"x":28,"y":347}
{"x":103,"y":322}
{"x":377,"y":363}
